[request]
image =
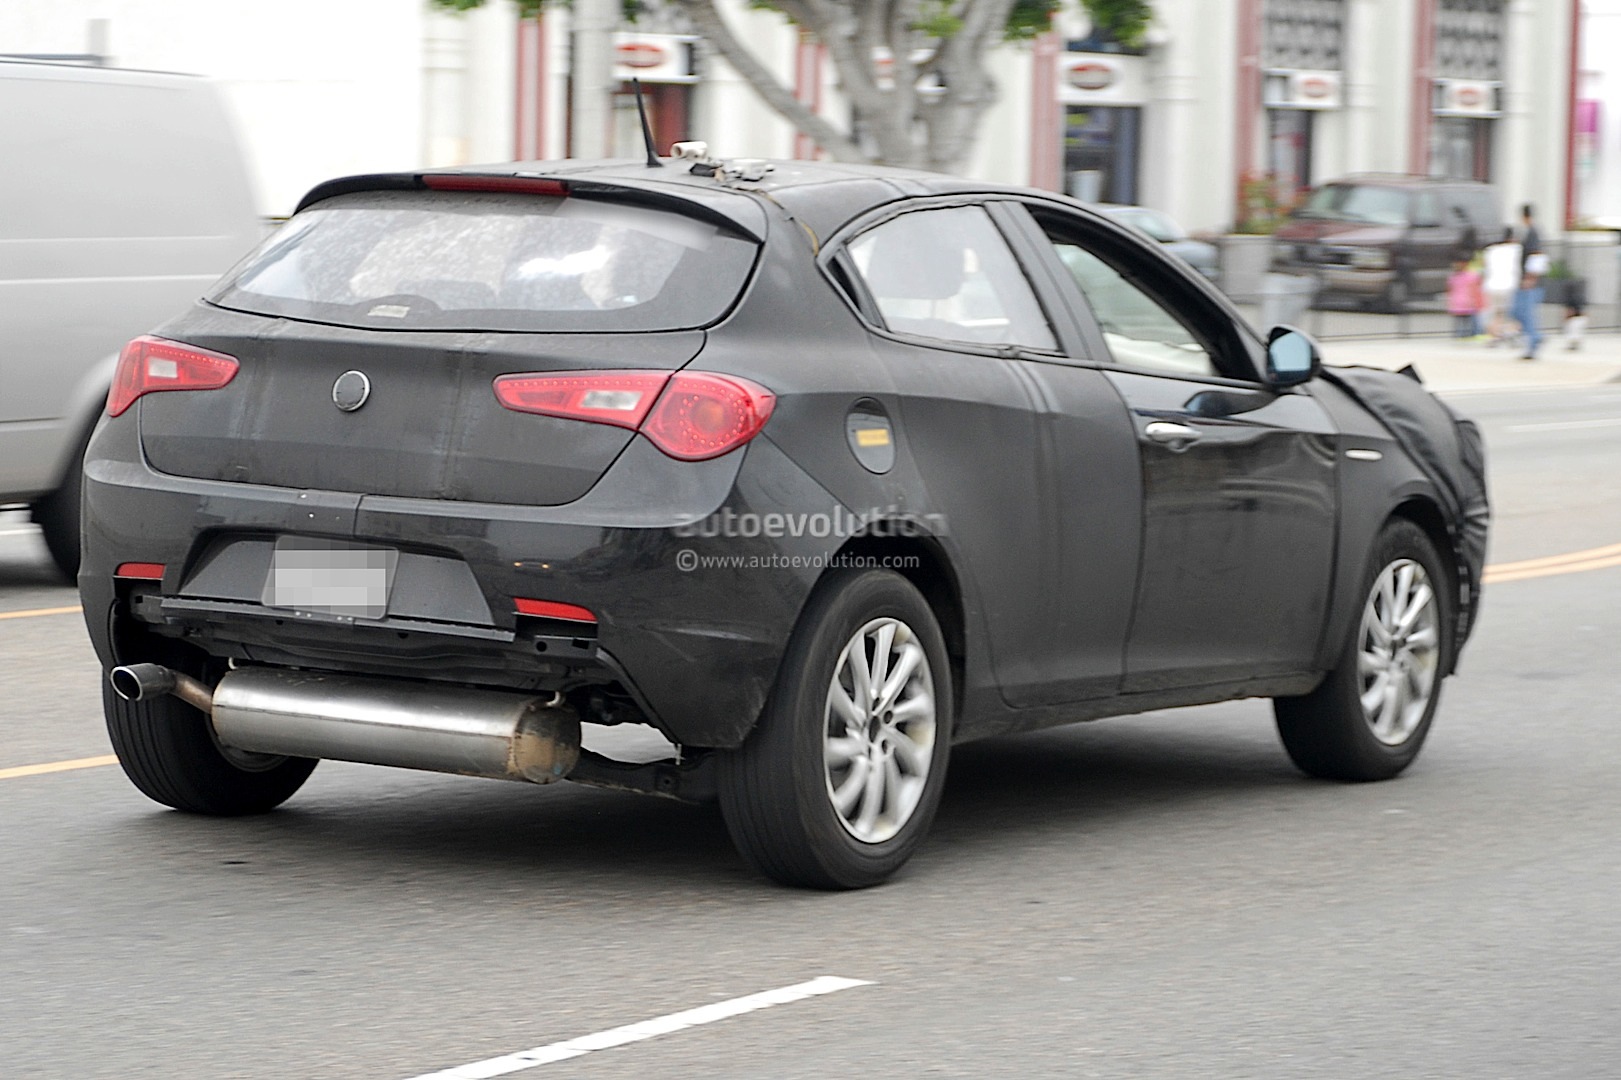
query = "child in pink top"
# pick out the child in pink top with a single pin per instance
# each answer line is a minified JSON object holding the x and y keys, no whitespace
{"x":1465,"y":299}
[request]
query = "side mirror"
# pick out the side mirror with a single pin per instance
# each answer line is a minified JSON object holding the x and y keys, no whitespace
{"x":1291,"y":357}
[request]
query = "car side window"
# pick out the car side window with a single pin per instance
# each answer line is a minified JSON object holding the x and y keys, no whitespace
{"x":1140,"y":331}
{"x":948,"y":273}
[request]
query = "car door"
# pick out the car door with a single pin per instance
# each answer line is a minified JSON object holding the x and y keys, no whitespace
{"x":1238,"y":480}
{"x":961,"y":331}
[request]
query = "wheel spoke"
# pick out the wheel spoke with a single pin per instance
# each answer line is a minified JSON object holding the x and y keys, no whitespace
{"x":839,"y":751}
{"x":847,"y":794}
{"x":853,"y":715}
{"x":1374,"y":694}
{"x":1417,"y":602}
{"x":911,"y":656}
{"x":883,"y":645}
{"x":872,"y":801}
{"x":1423,"y":641}
{"x":860,"y":674}
{"x":894,"y":790}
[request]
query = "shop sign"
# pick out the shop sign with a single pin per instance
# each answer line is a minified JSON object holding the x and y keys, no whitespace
{"x":1101,"y":79}
{"x":1467,"y":97}
{"x":654,"y":58}
{"x":1300,"y":89}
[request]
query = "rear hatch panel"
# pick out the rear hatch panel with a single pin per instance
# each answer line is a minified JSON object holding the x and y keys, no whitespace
{"x":430,"y":427}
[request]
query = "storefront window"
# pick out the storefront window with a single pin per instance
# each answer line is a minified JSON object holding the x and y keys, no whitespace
{"x":1289,"y":152}
{"x":1461,"y":148}
{"x":1101,"y":152}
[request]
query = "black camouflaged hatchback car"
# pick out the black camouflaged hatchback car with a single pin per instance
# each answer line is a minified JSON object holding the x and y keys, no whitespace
{"x":815,"y":469}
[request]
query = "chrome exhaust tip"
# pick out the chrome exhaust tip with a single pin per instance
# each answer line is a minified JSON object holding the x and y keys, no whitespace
{"x":143,"y":682}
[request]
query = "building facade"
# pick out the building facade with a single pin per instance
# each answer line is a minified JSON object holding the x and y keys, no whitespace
{"x":1226,"y":103}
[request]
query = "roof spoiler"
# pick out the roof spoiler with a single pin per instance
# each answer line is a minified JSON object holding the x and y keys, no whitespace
{"x":661,"y":198}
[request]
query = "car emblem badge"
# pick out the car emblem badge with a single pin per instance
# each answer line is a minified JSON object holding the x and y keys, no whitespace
{"x":351,"y":390}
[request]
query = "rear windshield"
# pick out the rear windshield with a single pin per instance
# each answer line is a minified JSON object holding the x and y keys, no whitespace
{"x":420,"y":260}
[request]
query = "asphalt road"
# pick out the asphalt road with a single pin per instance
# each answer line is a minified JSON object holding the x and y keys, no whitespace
{"x":1159,"y":896}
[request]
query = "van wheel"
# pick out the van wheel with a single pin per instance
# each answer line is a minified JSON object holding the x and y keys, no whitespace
{"x":169,"y":752}
{"x":1369,"y":717}
{"x":57,"y":514}
{"x":840,"y":779}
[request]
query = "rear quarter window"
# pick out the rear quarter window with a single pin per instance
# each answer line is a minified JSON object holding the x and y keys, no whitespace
{"x":496,"y":261}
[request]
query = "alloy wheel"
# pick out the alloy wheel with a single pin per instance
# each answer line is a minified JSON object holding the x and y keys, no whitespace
{"x":879,"y":730}
{"x":1400,"y":651}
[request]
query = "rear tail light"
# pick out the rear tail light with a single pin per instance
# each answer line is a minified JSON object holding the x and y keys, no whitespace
{"x":621,"y":398}
{"x":689,"y":415}
{"x":140,"y":571}
{"x":703,"y":416}
{"x":150,"y":364}
{"x":553,"y":609}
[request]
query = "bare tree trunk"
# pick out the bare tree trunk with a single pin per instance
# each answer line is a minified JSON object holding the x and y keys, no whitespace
{"x":708,"y":22}
{"x":908,"y":127}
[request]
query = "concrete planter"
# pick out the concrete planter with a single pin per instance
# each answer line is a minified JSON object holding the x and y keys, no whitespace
{"x":1595,"y":256}
{"x":1245,"y":261}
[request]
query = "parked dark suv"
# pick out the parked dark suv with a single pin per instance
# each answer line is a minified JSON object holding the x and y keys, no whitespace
{"x":1387,"y":239}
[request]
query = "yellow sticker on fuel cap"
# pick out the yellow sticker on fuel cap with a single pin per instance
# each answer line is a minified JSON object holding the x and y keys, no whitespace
{"x":871,"y":435}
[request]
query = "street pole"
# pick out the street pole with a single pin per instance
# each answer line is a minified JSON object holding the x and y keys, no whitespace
{"x":592,"y":75}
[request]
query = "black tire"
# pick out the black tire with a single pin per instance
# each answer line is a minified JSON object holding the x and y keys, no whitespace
{"x":168,"y":750}
{"x":57,"y":514}
{"x":1327,"y":732}
{"x":776,"y":790}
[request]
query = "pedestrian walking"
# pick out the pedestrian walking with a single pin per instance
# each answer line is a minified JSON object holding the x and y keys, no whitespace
{"x":1533,"y":264}
{"x":1501,"y":282}
{"x":1465,"y":299}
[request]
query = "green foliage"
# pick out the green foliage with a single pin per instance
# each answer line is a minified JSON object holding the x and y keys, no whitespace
{"x":937,"y":21}
{"x":1124,"y":20}
{"x":1029,"y":18}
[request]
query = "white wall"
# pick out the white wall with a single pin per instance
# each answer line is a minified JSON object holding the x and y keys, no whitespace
{"x":321,"y":88}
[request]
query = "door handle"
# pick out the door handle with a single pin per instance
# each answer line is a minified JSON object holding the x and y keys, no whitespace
{"x":1177,"y":436}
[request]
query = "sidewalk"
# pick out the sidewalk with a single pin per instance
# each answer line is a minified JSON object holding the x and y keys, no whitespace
{"x":1448,"y":365}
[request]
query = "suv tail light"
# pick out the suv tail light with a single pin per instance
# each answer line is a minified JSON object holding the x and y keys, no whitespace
{"x":689,"y":415}
{"x":150,"y":364}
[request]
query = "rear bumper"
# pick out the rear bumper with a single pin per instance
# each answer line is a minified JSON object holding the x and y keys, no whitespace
{"x":697,"y":650}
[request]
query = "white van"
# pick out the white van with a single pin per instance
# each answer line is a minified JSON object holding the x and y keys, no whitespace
{"x":123,"y":194}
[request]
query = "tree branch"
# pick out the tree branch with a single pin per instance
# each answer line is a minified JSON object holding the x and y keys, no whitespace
{"x":712,"y":27}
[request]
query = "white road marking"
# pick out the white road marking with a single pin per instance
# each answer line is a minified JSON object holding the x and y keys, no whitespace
{"x":1565,"y":425}
{"x":646,"y":1029}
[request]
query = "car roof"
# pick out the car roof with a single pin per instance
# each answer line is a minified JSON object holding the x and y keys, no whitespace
{"x":1402,"y":180}
{"x":820,"y":195}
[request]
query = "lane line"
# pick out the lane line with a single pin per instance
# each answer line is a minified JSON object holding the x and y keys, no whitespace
{"x":37,"y":612}
{"x":1568,"y":425}
{"x":1556,"y":560}
{"x":647,"y":1029}
{"x":1550,"y":571}
{"x":58,"y":766}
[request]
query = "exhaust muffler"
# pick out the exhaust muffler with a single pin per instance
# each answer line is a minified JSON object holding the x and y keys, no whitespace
{"x":506,"y":736}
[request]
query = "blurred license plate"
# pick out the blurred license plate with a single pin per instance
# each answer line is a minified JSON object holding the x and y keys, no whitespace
{"x":330,"y":578}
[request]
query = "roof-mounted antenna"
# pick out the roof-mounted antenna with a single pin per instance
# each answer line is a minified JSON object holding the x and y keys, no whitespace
{"x":653,"y":161}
